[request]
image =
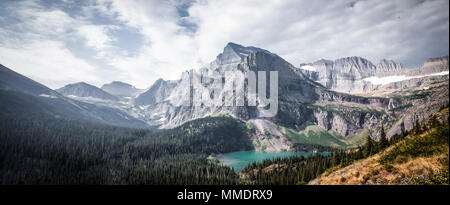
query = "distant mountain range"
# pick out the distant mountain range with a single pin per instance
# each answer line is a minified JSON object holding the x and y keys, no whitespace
{"x":85,"y":90}
{"x":357,"y":75}
{"x":318,"y":97}
{"x":21,"y":93}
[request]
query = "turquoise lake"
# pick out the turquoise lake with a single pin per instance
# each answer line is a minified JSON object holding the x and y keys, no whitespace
{"x":238,"y":160}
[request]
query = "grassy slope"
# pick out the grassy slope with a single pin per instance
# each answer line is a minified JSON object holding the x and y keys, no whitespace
{"x":318,"y":136}
{"x":406,"y":162}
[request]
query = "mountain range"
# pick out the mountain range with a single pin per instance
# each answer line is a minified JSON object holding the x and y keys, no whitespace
{"x":342,"y":100}
{"x":357,"y":75}
{"x":20,"y":93}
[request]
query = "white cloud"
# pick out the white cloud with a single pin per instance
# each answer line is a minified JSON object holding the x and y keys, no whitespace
{"x":301,"y":31}
{"x":305,"y":31}
{"x":36,"y":46}
{"x":96,"y":36}
{"x":49,"y":62}
{"x":167,"y":49}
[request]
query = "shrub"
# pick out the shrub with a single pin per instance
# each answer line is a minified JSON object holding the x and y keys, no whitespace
{"x":439,"y":179}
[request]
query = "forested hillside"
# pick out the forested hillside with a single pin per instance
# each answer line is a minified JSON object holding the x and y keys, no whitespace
{"x":46,"y":150}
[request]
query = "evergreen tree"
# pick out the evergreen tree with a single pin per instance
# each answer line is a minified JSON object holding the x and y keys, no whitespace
{"x":369,"y":146}
{"x":383,"y":140}
{"x":417,"y":128}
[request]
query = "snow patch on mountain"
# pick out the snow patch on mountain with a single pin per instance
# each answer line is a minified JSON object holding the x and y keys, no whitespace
{"x":396,"y":78}
{"x":47,"y":96}
{"x":308,"y":67}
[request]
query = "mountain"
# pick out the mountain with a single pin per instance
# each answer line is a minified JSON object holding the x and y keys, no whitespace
{"x":347,"y":74}
{"x":12,"y":79}
{"x":388,"y":67}
{"x":85,"y":90}
{"x":302,"y":102}
{"x":157,"y":93}
{"x":358,"y":75}
{"x":121,"y":89}
{"x":232,"y":55}
{"x":433,"y":65}
{"x":308,"y":102}
{"x":21,"y":96}
{"x":94,"y":128}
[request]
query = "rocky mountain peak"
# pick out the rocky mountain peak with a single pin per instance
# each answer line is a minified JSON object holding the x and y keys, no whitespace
{"x":158,"y":92}
{"x":323,"y":62}
{"x":389,"y":65}
{"x":435,"y":65}
{"x":438,"y":59}
{"x":122,"y":89}
{"x":82,"y":89}
{"x":232,"y":55}
{"x":353,"y":62}
{"x":242,"y":51}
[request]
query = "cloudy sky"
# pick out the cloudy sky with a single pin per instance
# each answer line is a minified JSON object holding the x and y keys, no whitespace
{"x":139,"y":41}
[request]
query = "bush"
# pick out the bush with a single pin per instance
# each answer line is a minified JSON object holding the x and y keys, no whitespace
{"x":438,"y":179}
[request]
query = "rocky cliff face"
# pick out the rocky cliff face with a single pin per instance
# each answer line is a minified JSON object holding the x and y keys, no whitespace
{"x":347,"y":74}
{"x":418,"y":105}
{"x":388,"y":67}
{"x":352,"y":74}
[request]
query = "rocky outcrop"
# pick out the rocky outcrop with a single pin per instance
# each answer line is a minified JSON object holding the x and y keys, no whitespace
{"x":420,"y":108}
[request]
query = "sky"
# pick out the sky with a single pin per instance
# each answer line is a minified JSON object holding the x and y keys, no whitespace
{"x":140,"y":41}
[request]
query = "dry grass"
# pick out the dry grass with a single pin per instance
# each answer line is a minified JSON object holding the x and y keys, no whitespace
{"x":370,"y":171}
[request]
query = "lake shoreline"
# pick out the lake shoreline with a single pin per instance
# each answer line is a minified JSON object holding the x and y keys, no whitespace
{"x":238,"y":160}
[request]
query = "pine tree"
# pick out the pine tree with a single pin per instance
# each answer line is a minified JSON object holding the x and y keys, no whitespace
{"x":369,"y":146}
{"x":383,"y":140}
{"x":417,"y":127}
